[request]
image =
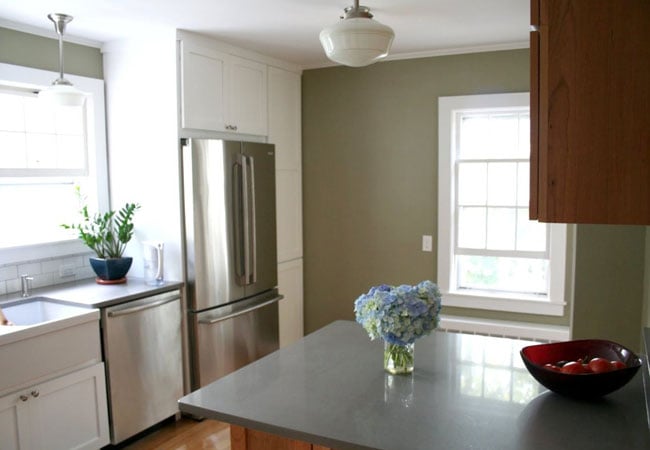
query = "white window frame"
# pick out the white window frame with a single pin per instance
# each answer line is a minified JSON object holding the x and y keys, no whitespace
{"x":553,"y":304}
{"x":37,"y":79}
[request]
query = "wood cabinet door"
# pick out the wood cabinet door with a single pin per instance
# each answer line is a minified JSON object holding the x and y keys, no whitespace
{"x":593,"y":75}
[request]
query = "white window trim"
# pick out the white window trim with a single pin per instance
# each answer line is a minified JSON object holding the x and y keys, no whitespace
{"x":555,"y":304}
{"x":27,"y":77}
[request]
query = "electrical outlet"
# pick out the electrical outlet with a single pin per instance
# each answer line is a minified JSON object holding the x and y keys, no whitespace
{"x":427,"y":243}
{"x":66,"y":270}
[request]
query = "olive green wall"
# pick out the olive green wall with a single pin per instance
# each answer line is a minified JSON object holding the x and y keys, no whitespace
{"x":24,"y":49}
{"x":609,"y":283}
{"x":370,"y":187}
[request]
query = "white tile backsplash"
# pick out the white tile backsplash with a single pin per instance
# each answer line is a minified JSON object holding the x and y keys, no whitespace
{"x":45,"y":272}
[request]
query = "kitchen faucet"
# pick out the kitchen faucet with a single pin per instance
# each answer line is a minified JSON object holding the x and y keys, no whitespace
{"x":25,"y":284}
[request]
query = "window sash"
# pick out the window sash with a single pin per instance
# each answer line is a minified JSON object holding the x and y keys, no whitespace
{"x":551,"y":304}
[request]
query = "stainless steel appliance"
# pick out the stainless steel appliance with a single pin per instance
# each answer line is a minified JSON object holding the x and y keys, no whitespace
{"x":230,"y":254}
{"x":144,"y":362}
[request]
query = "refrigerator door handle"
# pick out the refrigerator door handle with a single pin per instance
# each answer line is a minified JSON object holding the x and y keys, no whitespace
{"x":252,"y":274}
{"x":246,"y":219}
{"x":238,"y":222}
{"x":241,"y":312}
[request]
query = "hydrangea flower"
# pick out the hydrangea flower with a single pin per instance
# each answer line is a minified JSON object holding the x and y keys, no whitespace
{"x":399,"y":314}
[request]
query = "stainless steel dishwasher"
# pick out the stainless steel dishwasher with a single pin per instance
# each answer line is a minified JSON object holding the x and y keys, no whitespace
{"x":144,"y":362}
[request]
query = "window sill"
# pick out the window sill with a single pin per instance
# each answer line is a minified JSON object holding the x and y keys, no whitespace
{"x":492,"y":302}
{"x":17,"y":255}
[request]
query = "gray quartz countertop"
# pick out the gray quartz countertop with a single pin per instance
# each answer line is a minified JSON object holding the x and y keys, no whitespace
{"x":89,"y":293}
{"x":467,"y":392}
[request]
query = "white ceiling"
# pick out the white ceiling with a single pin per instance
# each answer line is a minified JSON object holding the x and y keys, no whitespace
{"x":287,"y":29}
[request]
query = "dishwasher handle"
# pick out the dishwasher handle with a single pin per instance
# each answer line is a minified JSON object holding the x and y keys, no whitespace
{"x":241,"y":311}
{"x":162,"y":301}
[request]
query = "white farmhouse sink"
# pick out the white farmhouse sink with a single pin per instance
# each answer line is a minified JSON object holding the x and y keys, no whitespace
{"x":48,"y":338}
{"x":37,"y":310}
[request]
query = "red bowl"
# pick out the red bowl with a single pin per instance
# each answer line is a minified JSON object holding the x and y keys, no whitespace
{"x":587,"y":385}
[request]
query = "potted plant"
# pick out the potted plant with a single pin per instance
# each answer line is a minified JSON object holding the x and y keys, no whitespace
{"x":107,"y":235}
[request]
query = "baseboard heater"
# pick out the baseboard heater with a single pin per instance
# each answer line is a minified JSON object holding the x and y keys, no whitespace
{"x":501,"y":328}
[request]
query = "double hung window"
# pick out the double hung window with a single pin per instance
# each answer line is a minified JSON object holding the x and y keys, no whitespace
{"x":491,"y":256}
{"x":47,"y":151}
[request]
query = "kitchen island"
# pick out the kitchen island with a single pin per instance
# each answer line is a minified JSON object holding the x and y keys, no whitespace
{"x":467,"y":392}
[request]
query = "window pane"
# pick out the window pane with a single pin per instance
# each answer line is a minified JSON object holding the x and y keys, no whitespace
{"x":531,"y":235}
{"x":12,"y":113}
{"x":504,"y":136}
{"x":41,"y":150}
{"x":13,"y":150}
{"x":502,"y":184}
{"x":38,"y":209}
{"x":501,"y":223}
{"x":523,"y":184}
{"x":472,"y":182}
{"x":70,"y":152}
{"x":69,"y":120}
{"x":524,"y":135}
{"x":471,"y":227}
{"x":493,"y":273}
{"x":473,"y":135}
{"x":39,"y":116}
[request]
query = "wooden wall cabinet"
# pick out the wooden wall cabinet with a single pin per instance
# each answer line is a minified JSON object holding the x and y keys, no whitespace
{"x":590,"y":103}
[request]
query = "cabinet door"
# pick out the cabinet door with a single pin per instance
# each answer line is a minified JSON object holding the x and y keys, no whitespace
{"x":290,"y":284}
{"x":70,"y":412}
{"x":247,"y":96}
{"x":594,"y":99}
{"x":285,"y":133}
{"x":14,"y":422}
{"x":203,"y":93}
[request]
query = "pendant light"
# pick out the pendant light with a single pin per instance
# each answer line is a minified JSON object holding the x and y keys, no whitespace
{"x":61,"y":92}
{"x":357,"y":40}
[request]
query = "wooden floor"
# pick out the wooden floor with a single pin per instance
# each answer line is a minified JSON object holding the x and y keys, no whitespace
{"x":186,"y":434}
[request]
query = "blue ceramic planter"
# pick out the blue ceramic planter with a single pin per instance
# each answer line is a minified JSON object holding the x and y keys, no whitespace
{"x":111,"y":269}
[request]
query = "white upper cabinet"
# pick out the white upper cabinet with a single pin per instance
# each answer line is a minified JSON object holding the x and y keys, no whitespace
{"x":222,"y":92}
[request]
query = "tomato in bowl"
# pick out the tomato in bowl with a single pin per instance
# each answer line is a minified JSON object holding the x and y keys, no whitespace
{"x":567,"y":368}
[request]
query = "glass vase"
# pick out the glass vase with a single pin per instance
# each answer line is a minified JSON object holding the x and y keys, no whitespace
{"x":398,"y":359}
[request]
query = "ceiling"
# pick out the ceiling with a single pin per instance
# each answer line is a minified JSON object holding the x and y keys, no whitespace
{"x":287,"y":29}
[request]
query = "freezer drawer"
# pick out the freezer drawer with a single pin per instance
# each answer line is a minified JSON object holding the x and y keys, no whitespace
{"x":229,"y":337}
{"x":144,"y":364}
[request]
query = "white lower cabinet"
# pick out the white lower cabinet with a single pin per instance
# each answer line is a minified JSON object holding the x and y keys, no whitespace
{"x":68,"y":412}
{"x":290,"y":286}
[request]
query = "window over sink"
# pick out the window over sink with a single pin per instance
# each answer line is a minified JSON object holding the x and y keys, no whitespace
{"x":45,"y":152}
{"x":490,"y":255}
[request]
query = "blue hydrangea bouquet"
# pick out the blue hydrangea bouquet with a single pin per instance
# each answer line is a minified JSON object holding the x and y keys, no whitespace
{"x":399,"y":315}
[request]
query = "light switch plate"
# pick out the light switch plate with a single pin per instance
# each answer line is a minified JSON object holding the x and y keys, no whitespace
{"x":427,"y":243}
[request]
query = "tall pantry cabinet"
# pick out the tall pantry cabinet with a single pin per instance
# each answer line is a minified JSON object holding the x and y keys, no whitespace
{"x":179,"y":84}
{"x":590,"y":100}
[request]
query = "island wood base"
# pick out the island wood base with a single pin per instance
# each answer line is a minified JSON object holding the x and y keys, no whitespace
{"x":247,"y":439}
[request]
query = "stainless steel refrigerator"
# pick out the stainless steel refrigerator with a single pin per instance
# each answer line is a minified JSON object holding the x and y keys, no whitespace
{"x":230,"y":254}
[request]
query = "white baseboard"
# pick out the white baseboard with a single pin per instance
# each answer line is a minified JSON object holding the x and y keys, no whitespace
{"x":517,"y":330}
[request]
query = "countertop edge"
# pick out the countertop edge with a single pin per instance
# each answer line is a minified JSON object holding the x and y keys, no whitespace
{"x":95,"y":295}
{"x":289,"y":433}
